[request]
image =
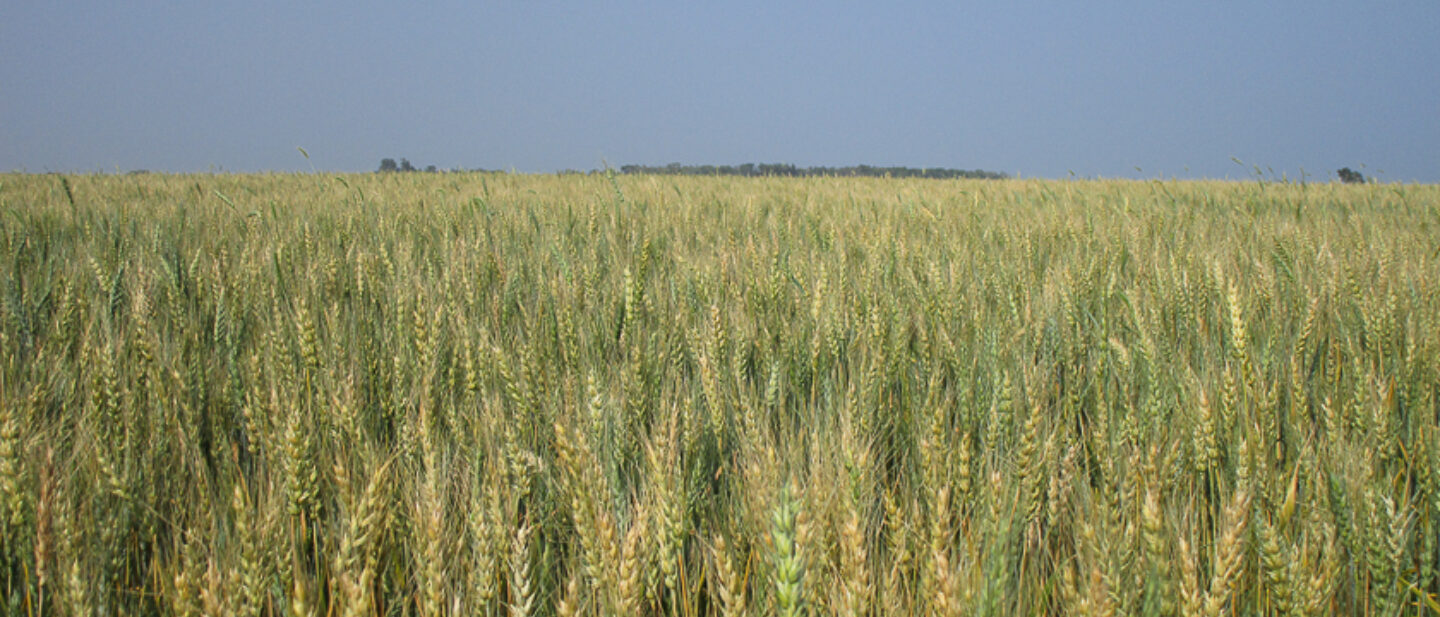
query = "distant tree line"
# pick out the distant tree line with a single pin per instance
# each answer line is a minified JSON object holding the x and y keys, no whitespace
{"x":1350,"y":176}
{"x":387,"y":165}
{"x":786,"y":169}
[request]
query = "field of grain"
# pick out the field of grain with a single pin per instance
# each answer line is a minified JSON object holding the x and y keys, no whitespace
{"x":488,"y":394}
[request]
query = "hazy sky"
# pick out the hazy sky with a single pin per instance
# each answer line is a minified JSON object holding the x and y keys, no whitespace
{"x":1028,"y":88}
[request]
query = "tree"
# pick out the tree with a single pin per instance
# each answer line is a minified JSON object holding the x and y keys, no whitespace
{"x":405,"y":165}
{"x":388,"y":165}
{"x":1350,"y":176}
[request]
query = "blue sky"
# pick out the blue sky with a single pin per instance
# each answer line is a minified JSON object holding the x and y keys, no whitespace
{"x":1028,"y":88}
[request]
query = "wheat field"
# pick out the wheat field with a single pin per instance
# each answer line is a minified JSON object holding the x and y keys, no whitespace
{"x":492,"y":394}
